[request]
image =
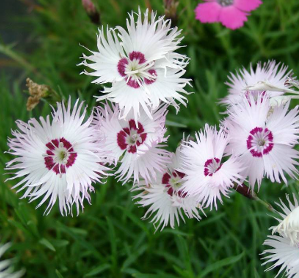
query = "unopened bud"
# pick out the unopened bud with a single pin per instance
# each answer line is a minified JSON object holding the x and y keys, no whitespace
{"x":245,"y":191}
{"x":170,"y":7}
{"x":92,"y":11}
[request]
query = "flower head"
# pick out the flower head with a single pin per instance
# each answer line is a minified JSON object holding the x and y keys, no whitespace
{"x":6,"y":268}
{"x":231,"y":13}
{"x":264,"y":139}
{"x":57,"y":159}
{"x":165,"y":196}
{"x":288,"y":226}
{"x":285,"y":246}
{"x":206,"y":174}
{"x":271,"y":78}
{"x":137,"y":146}
{"x":282,"y":254}
{"x":141,"y":63}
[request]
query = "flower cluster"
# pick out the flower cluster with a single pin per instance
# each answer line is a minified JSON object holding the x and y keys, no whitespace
{"x":63,"y":155}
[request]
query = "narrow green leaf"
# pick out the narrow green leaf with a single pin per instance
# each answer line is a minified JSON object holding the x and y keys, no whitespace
{"x":47,"y":243}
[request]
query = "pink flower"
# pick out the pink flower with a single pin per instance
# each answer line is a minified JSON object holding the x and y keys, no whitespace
{"x":231,"y":13}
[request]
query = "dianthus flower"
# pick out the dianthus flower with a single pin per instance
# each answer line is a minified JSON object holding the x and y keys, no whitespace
{"x":165,"y":198}
{"x":264,"y":138}
{"x":231,"y":13}
{"x":137,"y":146}
{"x":6,"y":266}
{"x":271,"y":78}
{"x":58,"y":159}
{"x":141,"y":64}
{"x":206,"y":174}
{"x":285,"y":246}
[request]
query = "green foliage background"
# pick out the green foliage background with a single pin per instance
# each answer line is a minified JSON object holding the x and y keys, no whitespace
{"x":109,"y":239}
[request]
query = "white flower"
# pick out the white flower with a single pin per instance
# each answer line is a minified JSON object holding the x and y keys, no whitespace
{"x":141,"y":64}
{"x":282,"y":253}
{"x":165,"y":198}
{"x":271,"y":78}
{"x":6,"y":268}
{"x":285,"y":247}
{"x":264,"y":139}
{"x":207,"y":176}
{"x":135,"y":145}
{"x":57,"y":159}
{"x":288,"y":226}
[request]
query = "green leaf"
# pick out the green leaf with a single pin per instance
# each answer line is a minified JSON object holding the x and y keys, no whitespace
{"x":97,"y":270}
{"x":219,"y":264}
{"x":47,"y":243}
{"x":58,"y":274}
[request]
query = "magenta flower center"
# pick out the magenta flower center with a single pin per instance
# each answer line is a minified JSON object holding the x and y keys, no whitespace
{"x":174,"y":182}
{"x":59,"y":155}
{"x":131,"y":137}
{"x":225,"y":3}
{"x":212,"y":166}
{"x":260,"y":141}
{"x":136,"y":70}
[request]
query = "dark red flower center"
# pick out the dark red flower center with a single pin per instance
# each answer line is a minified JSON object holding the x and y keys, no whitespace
{"x":211,"y":166}
{"x":129,"y":138}
{"x":174,"y":182}
{"x":59,"y":155}
{"x":136,"y":70}
{"x":260,"y":141}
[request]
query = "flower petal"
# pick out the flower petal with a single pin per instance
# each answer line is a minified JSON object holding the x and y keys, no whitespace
{"x":246,"y":5}
{"x":208,"y":12}
{"x":232,"y":17}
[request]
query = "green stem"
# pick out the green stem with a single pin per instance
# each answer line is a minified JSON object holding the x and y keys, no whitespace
{"x":250,"y":194}
{"x":262,"y":202}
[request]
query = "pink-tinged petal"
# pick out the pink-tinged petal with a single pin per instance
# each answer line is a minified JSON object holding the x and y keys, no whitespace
{"x":208,"y":12}
{"x":247,"y":5}
{"x":232,"y":18}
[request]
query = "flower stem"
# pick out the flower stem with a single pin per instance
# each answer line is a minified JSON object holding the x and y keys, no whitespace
{"x":262,"y":202}
{"x":250,"y":194}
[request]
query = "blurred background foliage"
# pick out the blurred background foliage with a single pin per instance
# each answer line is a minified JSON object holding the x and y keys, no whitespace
{"x":109,"y":239}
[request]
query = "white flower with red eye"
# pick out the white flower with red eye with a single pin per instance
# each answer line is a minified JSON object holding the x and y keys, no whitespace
{"x":207,"y":175}
{"x":264,"y":139}
{"x":271,"y":78}
{"x":166,"y":199}
{"x":135,"y":145}
{"x":141,"y":64}
{"x":58,"y":159}
{"x":285,"y":246}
